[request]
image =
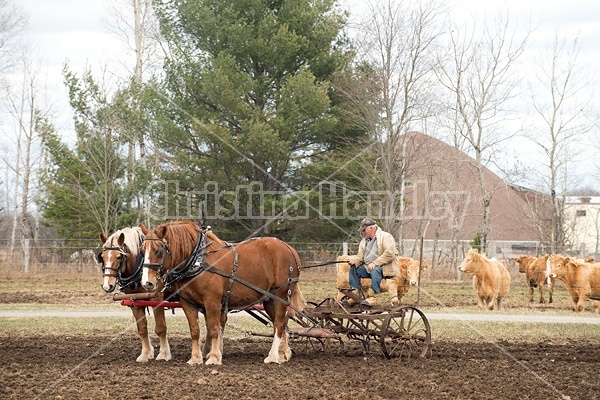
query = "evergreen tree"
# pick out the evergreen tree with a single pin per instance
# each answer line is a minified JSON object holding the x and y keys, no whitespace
{"x":247,"y":100}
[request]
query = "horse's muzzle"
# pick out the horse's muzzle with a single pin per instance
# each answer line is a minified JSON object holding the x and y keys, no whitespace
{"x":110,"y":289}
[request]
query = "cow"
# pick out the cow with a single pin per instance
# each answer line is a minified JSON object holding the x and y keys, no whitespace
{"x":396,"y":286}
{"x":536,"y":275}
{"x":491,"y":279}
{"x":84,"y":256}
{"x":581,"y":278}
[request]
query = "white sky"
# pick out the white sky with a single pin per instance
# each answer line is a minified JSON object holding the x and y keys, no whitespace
{"x":75,"y":31}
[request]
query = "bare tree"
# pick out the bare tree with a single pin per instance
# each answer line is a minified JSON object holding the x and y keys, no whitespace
{"x":24,"y":108}
{"x":394,"y":94}
{"x":479,"y":75}
{"x":562,"y":104}
{"x":12,"y":23}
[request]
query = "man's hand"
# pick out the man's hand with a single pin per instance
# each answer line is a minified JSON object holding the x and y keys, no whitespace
{"x":350,"y":262}
{"x":371,"y":267}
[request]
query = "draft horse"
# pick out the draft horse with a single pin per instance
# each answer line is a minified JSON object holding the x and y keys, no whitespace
{"x":214,"y":277}
{"x":121,"y":262}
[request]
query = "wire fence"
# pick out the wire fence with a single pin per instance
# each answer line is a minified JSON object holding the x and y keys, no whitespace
{"x":441,"y":256}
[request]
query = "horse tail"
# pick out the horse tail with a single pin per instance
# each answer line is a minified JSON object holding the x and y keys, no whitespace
{"x":297,"y":301}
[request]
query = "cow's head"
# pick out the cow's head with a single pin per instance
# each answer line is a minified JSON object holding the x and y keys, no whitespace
{"x":410,"y":269}
{"x":523,"y":262}
{"x":471,"y":261}
{"x":556,"y":266}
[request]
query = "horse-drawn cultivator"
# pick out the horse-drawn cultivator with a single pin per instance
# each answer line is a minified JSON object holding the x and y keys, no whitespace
{"x":259,"y":276}
{"x":401,"y":331}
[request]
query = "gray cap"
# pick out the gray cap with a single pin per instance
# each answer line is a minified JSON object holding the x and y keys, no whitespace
{"x":365,"y":223}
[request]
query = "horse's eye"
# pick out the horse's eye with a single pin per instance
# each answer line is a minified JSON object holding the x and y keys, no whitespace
{"x":160,"y":250}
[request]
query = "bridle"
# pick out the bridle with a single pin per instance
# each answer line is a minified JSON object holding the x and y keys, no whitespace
{"x":190,"y":267}
{"x":163,"y":252}
{"x":131,"y":281}
{"x":112,"y":272}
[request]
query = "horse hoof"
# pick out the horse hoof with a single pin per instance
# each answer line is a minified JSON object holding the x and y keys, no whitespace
{"x":163,"y":357}
{"x":213,"y":361}
{"x":194,"y":362}
{"x":270,"y":360}
{"x":145,"y":358}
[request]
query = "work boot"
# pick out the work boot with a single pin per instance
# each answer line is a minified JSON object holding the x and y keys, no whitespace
{"x":349,"y":296}
{"x":350,"y":301}
{"x":370,"y":300}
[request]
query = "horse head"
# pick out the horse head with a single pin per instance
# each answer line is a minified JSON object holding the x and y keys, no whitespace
{"x":156,"y":251}
{"x":168,"y":250}
{"x":118,"y":257}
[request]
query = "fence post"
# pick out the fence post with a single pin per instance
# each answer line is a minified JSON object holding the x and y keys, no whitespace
{"x":26,"y":254}
{"x":345,"y":248}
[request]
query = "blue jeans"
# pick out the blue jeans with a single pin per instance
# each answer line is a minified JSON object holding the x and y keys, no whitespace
{"x":361,"y":272}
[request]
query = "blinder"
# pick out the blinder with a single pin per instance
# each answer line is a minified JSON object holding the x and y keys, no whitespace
{"x":163,"y":252}
{"x":123,"y":260}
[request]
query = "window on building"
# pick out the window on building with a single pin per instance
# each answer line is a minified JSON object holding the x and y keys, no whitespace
{"x":580,"y":213}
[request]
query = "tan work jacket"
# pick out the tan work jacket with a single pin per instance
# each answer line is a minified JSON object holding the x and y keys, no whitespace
{"x":386,"y":249}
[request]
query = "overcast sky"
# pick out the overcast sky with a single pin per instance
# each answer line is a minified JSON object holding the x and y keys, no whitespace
{"x":76,"y":32}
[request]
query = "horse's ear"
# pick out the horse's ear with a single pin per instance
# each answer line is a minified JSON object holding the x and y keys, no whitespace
{"x":424,"y":267}
{"x":203,"y":220}
{"x":144,"y":229}
{"x":161,"y":232}
{"x":121,"y":239}
{"x":103,"y":238}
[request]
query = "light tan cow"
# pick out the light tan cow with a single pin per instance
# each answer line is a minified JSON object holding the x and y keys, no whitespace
{"x":536,"y":275}
{"x":397,"y":287}
{"x":491,"y":279}
{"x":581,"y":278}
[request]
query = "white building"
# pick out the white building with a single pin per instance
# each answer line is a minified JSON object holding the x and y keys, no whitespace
{"x":582,"y":222}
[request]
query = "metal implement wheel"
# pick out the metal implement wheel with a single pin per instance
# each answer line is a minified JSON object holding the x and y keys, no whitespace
{"x":405,"y":332}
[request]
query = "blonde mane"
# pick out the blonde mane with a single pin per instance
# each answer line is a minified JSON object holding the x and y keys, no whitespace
{"x":132,"y":239}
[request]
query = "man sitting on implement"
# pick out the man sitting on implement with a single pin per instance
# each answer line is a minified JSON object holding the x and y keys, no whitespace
{"x":377,"y":257}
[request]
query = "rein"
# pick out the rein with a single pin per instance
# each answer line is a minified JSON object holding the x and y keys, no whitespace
{"x":323,"y":264}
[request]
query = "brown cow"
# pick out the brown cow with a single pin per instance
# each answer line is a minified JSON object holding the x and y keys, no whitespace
{"x":581,"y":278}
{"x":491,"y":279}
{"x":536,"y":275}
{"x":397,"y":286}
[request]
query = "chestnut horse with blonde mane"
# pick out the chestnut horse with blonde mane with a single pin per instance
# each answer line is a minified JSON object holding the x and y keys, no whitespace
{"x":213,"y":276}
{"x":120,"y":260}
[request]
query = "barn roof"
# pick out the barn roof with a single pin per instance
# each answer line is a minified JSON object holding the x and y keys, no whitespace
{"x":439,"y":172}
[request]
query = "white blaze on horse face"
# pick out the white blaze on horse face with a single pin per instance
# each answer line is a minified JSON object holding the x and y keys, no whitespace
{"x":106,"y":285}
{"x":146,"y":269}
